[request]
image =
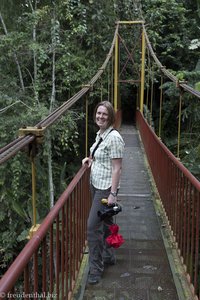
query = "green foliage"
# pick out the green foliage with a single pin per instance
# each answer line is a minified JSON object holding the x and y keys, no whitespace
{"x":197,"y":86}
{"x":20,"y":108}
{"x":175,"y":39}
{"x":172,"y":33}
{"x":66,"y":149}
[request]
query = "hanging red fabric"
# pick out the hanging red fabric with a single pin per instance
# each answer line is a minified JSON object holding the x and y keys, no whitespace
{"x":114,"y":240}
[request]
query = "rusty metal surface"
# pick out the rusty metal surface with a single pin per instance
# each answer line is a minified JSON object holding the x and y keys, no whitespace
{"x":142,"y":271}
{"x":57,"y":237}
{"x":179,"y":191}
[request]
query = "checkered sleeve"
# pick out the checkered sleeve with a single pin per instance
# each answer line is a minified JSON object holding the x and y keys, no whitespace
{"x":116,"y":147}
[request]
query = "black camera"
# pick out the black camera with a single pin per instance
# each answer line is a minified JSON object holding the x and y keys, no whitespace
{"x":109,"y":210}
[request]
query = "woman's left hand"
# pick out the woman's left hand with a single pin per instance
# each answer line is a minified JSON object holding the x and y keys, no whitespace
{"x":87,"y":161}
{"x":112,"y":199}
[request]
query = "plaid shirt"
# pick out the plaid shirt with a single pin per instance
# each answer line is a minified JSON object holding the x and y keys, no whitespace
{"x":111,"y":147}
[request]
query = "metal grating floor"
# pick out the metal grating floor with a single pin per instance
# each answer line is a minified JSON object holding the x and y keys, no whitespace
{"x":142,"y":271}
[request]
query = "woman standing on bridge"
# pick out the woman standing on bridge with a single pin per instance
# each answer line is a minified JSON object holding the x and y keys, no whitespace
{"x":106,"y":162}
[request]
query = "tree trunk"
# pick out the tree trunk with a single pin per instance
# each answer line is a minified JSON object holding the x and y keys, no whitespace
{"x":52,"y":101}
{"x":50,"y":171}
{"x":15,"y":56}
{"x":34,"y":56}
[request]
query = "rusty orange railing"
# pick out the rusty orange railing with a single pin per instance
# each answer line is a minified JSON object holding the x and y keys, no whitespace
{"x":48,"y":265}
{"x":179,"y":191}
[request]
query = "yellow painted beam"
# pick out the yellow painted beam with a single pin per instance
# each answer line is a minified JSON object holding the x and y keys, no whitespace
{"x":33,"y":189}
{"x":116,"y":73}
{"x":131,"y":22}
{"x":142,"y":73}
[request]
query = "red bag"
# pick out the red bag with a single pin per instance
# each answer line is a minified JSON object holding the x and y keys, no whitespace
{"x":114,"y":240}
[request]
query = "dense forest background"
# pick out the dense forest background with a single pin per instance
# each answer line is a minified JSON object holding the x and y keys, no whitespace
{"x":48,"y":50}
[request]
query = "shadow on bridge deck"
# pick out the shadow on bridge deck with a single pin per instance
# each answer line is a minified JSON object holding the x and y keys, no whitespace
{"x":142,"y":271}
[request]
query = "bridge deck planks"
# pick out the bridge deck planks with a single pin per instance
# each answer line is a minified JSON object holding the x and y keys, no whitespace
{"x":142,"y":271}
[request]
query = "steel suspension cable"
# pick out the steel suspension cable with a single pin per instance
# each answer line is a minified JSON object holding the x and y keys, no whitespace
{"x":129,"y":55}
{"x":15,"y":146}
{"x":166,"y":72}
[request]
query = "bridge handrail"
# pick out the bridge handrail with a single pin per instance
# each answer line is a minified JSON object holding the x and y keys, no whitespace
{"x":177,"y":162}
{"x":179,"y":192}
{"x":17,"y":267}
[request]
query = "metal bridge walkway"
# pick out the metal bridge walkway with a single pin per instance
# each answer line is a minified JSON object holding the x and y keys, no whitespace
{"x":142,"y":271}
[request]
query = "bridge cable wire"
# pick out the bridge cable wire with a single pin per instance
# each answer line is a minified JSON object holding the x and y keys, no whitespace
{"x":18,"y":144}
{"x":166,"y":72}
{"x":129,"y":55}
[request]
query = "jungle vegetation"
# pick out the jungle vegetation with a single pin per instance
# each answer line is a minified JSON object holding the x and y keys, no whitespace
{"x":48,"y":50}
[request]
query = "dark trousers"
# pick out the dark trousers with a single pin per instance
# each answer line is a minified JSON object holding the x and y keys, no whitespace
{"x":97,"y":232}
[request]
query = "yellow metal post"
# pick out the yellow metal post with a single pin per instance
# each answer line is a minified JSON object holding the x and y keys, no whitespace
{"x":86,"y":126}
{"x":33,"y":189}
{"x":112,"y":80}
{"x":38,"y":132}
{"x":142,"y":73}
{"x":35,"y":226}
{"x":116,"y":73}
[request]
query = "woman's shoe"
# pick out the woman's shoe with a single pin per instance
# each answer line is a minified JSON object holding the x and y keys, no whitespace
{"x":110,"y":261}
{"x":93,"y":278}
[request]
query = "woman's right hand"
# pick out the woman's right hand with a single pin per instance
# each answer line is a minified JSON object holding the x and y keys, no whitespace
{"x":87,"y":161}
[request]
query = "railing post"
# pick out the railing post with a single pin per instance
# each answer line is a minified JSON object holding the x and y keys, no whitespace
{"x":116,"y":73}
{"x":142,"y":73}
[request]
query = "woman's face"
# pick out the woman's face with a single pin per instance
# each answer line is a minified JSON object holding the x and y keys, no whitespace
{"x":102,"y":118}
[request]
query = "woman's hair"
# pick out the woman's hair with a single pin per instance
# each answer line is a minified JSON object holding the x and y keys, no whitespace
{"x":110,"y":109}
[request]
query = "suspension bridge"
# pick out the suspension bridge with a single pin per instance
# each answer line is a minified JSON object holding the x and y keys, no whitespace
{"x":53,"y":263}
